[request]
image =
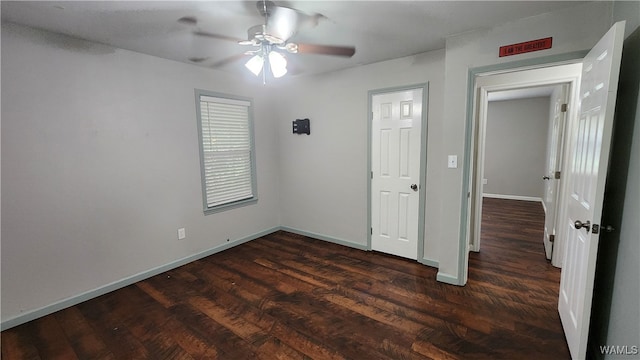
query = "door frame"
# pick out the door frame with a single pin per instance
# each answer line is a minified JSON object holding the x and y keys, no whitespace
{"x":470,"y":149}
{"x":422,"y":190}
{"x":485,"y":84}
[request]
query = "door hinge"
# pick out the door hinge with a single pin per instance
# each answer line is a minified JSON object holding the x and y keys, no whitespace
{"x":552,"y":238}
{"x":563,"y":108}
{"x":371,"y":231}
{"x":372,"y":174}
{"x":557,"y":174}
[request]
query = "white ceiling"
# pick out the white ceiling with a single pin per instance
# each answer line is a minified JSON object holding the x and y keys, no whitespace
{"x":380,"y":30}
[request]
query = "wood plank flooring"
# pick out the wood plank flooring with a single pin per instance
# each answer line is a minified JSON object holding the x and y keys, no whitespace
{"x":286,"y":296}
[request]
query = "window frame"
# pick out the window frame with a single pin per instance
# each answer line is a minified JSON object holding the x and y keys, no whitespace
{"x":252,"y":157}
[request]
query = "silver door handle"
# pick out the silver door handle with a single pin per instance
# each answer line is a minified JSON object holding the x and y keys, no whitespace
{"x":545,"y":178}
{"x":579,"y":225}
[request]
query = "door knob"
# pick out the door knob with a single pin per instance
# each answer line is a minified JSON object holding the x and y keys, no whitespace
{"x":414,"y":187}
{"x":545,"y":178}
{"x":579,"y":225}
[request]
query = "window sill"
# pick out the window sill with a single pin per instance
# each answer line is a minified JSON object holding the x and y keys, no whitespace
{"x":229,"y":206}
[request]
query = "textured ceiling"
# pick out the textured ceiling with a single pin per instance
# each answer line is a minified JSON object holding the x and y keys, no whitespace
{"x":380,"y":30}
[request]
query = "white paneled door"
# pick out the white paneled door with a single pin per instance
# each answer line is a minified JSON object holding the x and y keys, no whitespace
{"x":395,"y":164}
{"x":589,"y":144}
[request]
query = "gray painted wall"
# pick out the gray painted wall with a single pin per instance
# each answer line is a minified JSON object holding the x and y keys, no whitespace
{"x":100,"y":166}
{"x":323,"y":184}
{"x":81,"y":225}
{"x":516,"y":146}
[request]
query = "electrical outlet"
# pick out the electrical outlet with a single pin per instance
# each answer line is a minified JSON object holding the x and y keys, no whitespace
{"x":182,"y":233}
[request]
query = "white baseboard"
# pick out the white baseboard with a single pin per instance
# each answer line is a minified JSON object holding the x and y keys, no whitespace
{"x":513,"y":197}
{"x":76,"y":299}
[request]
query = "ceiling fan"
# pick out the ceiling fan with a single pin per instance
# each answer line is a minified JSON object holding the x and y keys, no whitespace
{"x":271,"y":40}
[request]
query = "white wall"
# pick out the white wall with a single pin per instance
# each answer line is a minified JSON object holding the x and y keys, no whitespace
{"x":573,"y":29}
{"x":515,"y":147}
{"x":323,"y":183}
{"x":100,"y":166}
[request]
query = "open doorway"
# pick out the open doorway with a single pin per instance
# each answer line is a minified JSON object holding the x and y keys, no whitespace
{"x":490,"y":88}
{"x":523,"y":161}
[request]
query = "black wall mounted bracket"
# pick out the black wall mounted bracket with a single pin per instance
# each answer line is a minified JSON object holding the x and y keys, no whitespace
{"x":301,"y":126}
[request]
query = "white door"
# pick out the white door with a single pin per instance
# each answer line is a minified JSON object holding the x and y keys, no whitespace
{"x":554,"y":166}
{"x":395,"y":164}
{"x":586,"y":173}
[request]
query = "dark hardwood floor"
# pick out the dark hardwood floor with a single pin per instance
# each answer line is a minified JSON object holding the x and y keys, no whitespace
{"x":288,"y":296}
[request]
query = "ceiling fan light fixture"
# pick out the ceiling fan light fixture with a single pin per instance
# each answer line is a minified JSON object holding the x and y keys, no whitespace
{"x":278,"y":64}
{"x":255,"y":64}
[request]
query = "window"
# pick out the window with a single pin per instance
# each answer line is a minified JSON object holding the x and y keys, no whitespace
{"x":226,"y":150}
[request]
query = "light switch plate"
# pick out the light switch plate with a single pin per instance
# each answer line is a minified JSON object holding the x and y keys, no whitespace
{"x":452,"y":162}
{"x":182,"y":234}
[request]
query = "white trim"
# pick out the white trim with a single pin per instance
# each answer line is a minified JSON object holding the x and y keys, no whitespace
{"x":88,"y":295}
{"x":513,"y":197}
{"x":544,"y":207}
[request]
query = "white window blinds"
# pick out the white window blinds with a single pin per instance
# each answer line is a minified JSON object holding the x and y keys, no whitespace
{"x":226,"y":150}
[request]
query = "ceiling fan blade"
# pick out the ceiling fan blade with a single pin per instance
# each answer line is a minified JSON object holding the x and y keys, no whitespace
{"x":310,"y":21}
{"x":227,"y":60}
{"x":216,"y":36}
{"x":346,"y":51}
